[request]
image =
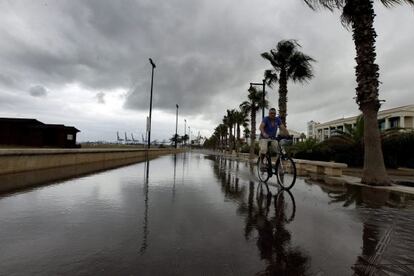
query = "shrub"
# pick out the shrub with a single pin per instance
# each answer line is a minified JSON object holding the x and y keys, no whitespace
{"x":398,"y":150}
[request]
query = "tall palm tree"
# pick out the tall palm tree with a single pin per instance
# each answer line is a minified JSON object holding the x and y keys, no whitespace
{"x":246,"y":130}
{"x":226,"y":122}
{"x":232,"y":122}
{"x":288,"y":64}
{"x":251,"y":106}
{"x":240,"y":118}
{"x":221,"y":130}
{"x":359,"y":15}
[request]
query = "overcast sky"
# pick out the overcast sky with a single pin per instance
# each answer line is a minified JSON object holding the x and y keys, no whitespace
{"x":85,"y":63}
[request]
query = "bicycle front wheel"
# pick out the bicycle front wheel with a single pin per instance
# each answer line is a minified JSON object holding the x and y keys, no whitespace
{"x":285,"y":172}
{"x":264,"y":168}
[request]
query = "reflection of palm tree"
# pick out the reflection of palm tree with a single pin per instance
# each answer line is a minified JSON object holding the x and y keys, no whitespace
{"x":352,"y":195}
{"x":375,"y":238}
{"x":229,"y":182}
{"x":273,"y":239}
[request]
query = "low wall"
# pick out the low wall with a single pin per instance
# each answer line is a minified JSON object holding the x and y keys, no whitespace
{"x":20,"y":160}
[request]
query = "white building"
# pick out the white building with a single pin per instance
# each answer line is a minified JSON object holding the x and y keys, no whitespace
{"x":395,"y":117}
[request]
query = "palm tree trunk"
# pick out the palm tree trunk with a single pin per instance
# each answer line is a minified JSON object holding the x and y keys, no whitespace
{"x":238,"y":137}
{"x":230,"y":138}
{"x":366,"y":71}
{"x":283,"y":95}
{"x":253,"y":131}
{"x":234,"y":137}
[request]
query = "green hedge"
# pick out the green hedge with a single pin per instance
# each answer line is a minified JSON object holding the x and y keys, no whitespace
{"x":398,"y":151}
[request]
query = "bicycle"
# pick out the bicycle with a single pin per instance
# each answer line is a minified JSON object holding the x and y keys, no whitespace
{"x":284,"y":169}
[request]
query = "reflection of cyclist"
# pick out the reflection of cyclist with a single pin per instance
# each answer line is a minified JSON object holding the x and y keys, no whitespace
{"x":268,"y":130}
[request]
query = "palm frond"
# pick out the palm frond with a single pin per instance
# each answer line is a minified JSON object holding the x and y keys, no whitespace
{"x":270,"y":57}
{"x":300,"y":68}
{"x":327,"y":4}
{"x":271,"y":77}
{"x":393,"y":3}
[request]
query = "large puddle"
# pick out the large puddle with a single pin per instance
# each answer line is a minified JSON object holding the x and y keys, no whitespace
{"x":195,"y":214}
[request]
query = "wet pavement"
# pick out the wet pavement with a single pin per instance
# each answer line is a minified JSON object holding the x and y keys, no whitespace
{"x":197,"y":214}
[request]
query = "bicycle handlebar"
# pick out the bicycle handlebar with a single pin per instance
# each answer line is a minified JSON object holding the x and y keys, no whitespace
{"x":280,"y":137}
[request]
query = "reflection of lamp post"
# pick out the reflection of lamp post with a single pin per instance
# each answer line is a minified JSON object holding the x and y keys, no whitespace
{"x":145,"y":229}
{"x":264,"y":93}
{"x":150,"y":112}
{"x":176,"y":126}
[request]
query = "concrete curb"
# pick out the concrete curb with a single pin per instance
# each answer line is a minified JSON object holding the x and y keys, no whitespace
{"x":335,"y":180}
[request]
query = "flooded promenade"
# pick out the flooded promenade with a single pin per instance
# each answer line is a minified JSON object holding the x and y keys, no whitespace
{"x":198,"y":214}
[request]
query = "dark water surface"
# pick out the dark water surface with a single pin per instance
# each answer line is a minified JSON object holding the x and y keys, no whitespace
{"x":195,"y":214}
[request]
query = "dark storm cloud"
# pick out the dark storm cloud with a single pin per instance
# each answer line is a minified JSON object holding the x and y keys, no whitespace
{"x":206,"y":53}
{"x":38,"y":91}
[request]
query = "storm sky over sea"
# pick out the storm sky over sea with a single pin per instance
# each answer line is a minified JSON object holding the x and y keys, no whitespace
{"x":85,"y":63}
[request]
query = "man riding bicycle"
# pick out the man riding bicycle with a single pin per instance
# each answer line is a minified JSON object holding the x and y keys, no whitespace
{"x":268,"y":130}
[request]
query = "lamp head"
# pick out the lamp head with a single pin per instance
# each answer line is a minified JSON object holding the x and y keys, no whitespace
{"x":152,"y":63}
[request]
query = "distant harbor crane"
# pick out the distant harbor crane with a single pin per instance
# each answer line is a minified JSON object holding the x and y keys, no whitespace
{"x":126,"y":138}
{"x":119,"y":139}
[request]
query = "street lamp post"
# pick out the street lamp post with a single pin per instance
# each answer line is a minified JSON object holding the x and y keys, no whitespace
{"x":185,"y":130}
{"x":264,"y":93}
{"x":189,"y":135}
{"x":176,"y":126}
{"x":150,"y":112}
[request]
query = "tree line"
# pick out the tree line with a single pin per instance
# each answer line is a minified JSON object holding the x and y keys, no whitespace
{"x":358,"y":17}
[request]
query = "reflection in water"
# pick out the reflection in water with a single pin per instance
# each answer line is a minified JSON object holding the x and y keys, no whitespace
{"x":223,"y":169}
{"x":175,"y":176}
{"x":222,"y":222}
{"x":274,"y":240}
{"x":386,"y":235}
{"x":145,"y":230}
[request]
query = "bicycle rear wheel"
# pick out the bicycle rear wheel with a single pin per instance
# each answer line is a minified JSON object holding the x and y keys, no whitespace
{"x":264,"y":168}
{"x":285,"y":172}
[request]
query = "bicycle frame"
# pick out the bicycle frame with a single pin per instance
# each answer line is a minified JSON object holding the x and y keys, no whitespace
{"x":284,"y":167}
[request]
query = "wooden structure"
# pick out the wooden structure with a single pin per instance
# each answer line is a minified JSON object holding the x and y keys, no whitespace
{"x":33,"y":133}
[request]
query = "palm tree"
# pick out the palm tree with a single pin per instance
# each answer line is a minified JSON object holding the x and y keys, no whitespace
{"x":221,"y":131}
{"x":359,"y":15}
{"x":288,"y":64}
{"x":252,"y":106}
{"x":240,"y":118}
{"x":246,"y":130}
{"x":229,"y":121}
{"x":185,"y":138}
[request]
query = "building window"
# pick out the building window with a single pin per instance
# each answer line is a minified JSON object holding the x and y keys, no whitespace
{"x":381,"y":124}
{"x":69,"y":137}
{"x":394,"y":122}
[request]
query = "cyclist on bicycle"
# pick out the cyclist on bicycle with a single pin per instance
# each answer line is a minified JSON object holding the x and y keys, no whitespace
{"x":268,"y":130}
